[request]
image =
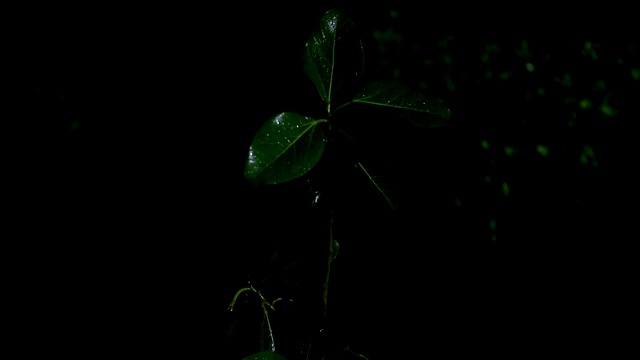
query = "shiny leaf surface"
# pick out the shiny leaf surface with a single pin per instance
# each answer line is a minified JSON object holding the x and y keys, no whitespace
{"x":333,"y":53}
{"x":414,"y":105}
{"x":265,"y":355}
{"x":286,"y":147}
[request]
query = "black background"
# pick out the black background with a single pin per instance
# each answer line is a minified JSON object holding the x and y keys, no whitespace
{"x":132,"y":225}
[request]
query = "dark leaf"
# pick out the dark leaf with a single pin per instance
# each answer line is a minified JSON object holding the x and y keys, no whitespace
{"x":284,"y":148}
{"x":333,"y":54}
{"x":414,"y":105}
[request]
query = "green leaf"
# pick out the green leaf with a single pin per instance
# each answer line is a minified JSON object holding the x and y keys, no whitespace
{"x":333,"y":53}
{"x":265,"y":355}
{"x":413,"y":104}
{"x":286,"y":147}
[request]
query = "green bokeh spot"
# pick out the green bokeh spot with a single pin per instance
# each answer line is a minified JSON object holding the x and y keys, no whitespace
{"x":585,"y":104}
{"x":505,"y":75}
{"x":565,"y":80}
{"x":484,"y":57}
{"x":542,"y":150}
{"x":446,"y":58}
{"x":608,"y":110}
{"x":510,"y":150}
{"x":505,"y":189}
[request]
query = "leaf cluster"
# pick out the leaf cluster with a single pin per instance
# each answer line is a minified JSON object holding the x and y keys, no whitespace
{"x":289,"y":144}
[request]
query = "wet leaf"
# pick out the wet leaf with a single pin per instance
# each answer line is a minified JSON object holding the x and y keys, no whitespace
{"x":413,"y":104}
{"x":286,"y":147}
{"x":333,"y":53}
{"x":265,"y":355}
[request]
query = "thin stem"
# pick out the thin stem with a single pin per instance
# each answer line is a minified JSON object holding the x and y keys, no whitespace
{"x":358,"y":355}
{"x":251,"y":288}
{"x":235,"y":297}
{"x":266,"y":315}
{"x":332,"y":253}
{"x":341,"y":106}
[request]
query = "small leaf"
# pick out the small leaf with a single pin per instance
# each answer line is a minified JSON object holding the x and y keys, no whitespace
{"x":333,"y":53}
{"x":284,"y":148}
{"x":265,"y":355}
{"x":420,"y":110}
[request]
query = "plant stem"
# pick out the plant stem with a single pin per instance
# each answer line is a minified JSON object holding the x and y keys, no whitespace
{"x":251,"y":288}
{"x":266,"y":315}
{"x":332,"y":253}
{"x":341,"y":106}
{"x":235,"y":297}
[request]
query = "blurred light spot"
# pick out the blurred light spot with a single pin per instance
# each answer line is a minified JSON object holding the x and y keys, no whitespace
{"x":585,"y":104}
{"x":590,"y":50}
{"x":393,"y":14}
{"x":484,"y":144}
{"x":540,"y":91}
{"x":510,"y":150}
{"x":492,"y":226}
{"x":565,"y":80}
{"x":530,"y":67}
{"x":524,"y":51}
{"x":588,"y":156}
{"x":451,"y":86}
{"x":635,"y":74}
{"x":487,"y":178}
{"x":505,"y":189}
{"x":600,"y":85}
{"x":488,"y":74}
{"x":608,"y":110}
{"x":445,"y":42}
{"x":542,"y":150}
{"x":505,"y":75}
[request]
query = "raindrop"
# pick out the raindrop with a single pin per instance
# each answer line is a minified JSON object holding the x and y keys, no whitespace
{"x":332,"y":25}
